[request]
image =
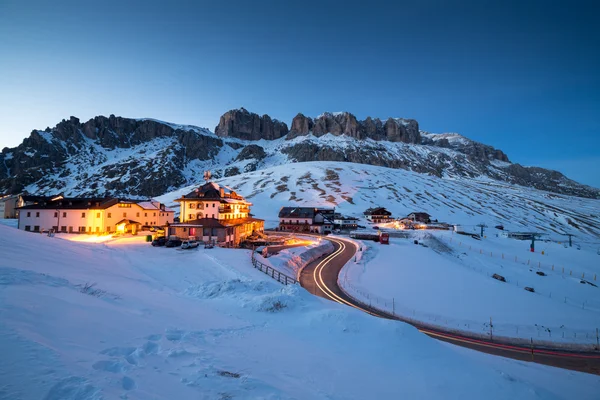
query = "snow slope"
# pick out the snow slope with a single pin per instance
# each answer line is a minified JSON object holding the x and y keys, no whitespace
{"x":121,"y":319}
{"x":449,"y":283}
{"x":352,"y":188}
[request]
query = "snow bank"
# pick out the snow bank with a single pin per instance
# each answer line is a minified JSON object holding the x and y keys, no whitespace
{"x":205,"y":324}
{"x":291,"y":261}
{"x":411,"y":280}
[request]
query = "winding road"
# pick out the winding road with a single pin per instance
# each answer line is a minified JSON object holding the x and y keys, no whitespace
{"x":321,"y":279}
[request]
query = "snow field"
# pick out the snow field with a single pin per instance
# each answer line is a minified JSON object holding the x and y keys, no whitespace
{"x":449,"y":284}
{"x":122,"y":319}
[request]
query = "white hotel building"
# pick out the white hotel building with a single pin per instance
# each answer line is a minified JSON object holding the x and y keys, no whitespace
{"x":92,"y":215}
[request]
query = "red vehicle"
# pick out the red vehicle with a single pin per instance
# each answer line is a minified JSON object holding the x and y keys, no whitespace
{"x":384,"y":238}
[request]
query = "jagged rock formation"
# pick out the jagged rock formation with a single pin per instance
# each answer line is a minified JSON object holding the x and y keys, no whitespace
{"x":145,"y":157}
{"x":95,"y":154}
{"x":245,"y":125}
{"x":345,"y":123}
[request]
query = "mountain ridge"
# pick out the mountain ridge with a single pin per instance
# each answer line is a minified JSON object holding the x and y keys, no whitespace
{"x":147,"y":157}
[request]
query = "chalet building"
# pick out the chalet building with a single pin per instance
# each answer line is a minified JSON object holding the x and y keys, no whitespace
{"x":212,"y":213}
{"x":342,"y":222}
{"x":378,"y":215}
{"x":419,"y":217}
{"x":306,"y":219}
{"x":8,"y":206}
{"x":91,"y":215}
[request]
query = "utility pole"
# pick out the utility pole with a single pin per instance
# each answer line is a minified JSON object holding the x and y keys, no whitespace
{"x":482,"y":225}
{"x":570,"y":235}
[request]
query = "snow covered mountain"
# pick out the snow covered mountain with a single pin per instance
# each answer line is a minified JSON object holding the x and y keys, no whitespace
{"x":146,"y":157}
{"x":352,"y":188}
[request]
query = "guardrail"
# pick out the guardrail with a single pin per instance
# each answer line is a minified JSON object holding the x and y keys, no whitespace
{"x":273,"y":273}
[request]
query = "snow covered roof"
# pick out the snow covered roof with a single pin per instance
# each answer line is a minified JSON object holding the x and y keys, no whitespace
{"x":152,"y":205}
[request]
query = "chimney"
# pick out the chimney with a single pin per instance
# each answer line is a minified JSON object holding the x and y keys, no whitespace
{"x":222,"y":192}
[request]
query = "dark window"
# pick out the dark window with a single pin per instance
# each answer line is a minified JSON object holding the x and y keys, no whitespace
{"x":83,"y":215}
{"x":154,"y":215}
{"x":55,"y":215}
{"x":145,"y":214}
{"x":97,"y":229}
{"x":64,"y":215}
{"x":29,"y":214}
{"x":82,"y":229}
{"x":70,"y":229}
{"x":213,"y":205}
{"x":63,"y":228}
{"x":27,"y":227}
{"x":137,"y":215}
{"x":37,"y":214}
{"x":55,"y":228}
{"x":36,"y":228}
{"x":97,"y":215}
{"x":109,"y":215}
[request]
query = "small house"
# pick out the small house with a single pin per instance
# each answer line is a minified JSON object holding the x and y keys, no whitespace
{"x":378,"y":215}
{"x":342,"y":222}
{"x":422,"y":217}
{"x":306,"y":219}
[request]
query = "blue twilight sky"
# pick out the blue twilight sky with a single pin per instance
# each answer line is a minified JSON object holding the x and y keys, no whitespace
{"x":523,"y":76}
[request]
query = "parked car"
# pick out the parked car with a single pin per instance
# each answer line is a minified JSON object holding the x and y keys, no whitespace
{"x":190,"y":244}
{"x":159,"y":241}
{"x":173,"y":243}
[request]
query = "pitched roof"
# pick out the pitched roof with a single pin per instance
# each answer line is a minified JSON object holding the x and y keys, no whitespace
{"x":297,"y":212}
{"x":74,"y":203}
{"x":128,"y":222}
{"x":212,"y":191}
{"x":377,"y":211}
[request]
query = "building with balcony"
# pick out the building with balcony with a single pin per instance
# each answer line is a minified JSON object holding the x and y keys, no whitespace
{"x":214,"y":213}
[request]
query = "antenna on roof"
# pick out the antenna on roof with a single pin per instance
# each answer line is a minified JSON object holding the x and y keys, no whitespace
{"x":207,"y":176}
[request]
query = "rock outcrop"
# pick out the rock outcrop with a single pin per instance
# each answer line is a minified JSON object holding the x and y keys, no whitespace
{"x":242,"y":124}
{"x":345,"y":123}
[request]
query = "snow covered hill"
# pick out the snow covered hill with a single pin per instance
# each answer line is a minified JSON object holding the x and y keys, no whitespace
{"x":145,"y":157}
{"x":121,"y":319}
{"x":352,"y":188}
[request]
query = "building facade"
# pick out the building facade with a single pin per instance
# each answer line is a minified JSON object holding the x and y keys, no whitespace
{"x":306,"y":219}
{"x":342,"y":222}
{"x":92,"y":215}
{"x":212,"y":213}
{"x":8,"y":206}
{"x":378,"y":215}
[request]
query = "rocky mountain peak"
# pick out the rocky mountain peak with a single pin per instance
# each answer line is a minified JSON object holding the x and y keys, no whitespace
{"x":242,"y":124}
